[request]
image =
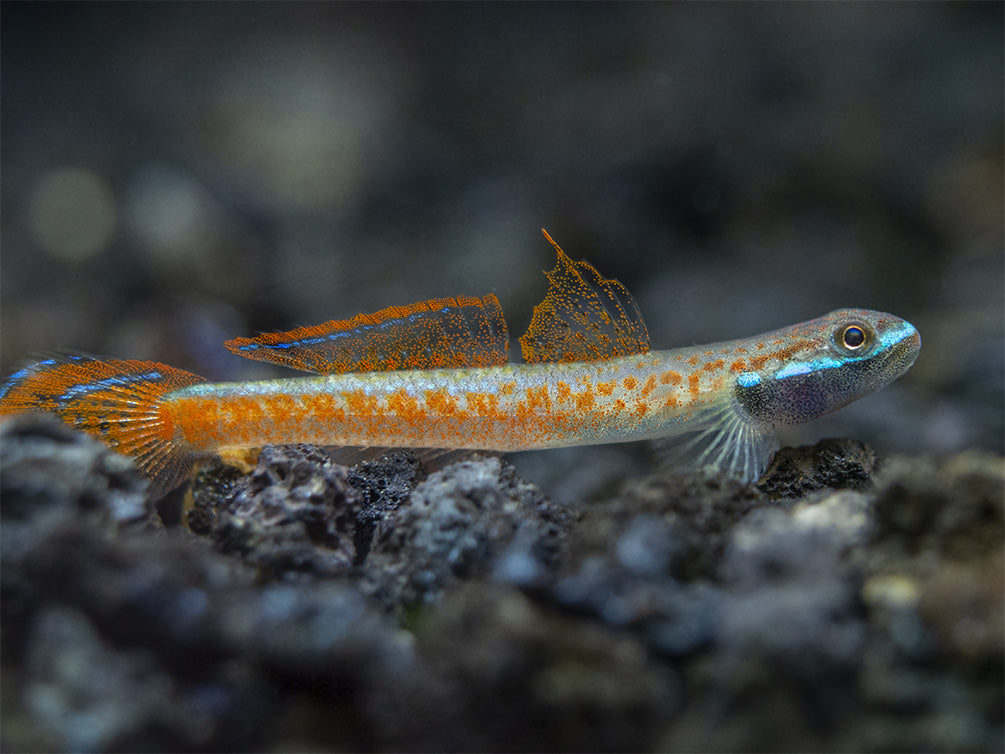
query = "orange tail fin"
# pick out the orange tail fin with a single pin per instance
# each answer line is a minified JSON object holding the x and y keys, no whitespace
{"x":115,"y":400}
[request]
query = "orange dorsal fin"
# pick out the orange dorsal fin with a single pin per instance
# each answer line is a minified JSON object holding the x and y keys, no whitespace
{"x":584,"y":317}
{"x":440,"y":333}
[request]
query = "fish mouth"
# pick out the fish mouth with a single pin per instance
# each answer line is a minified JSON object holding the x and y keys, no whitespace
{"x":904,"y":346}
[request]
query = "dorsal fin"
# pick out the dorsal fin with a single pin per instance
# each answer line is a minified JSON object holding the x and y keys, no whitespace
{"x":584,"y":317}
{"x":436,"y":334}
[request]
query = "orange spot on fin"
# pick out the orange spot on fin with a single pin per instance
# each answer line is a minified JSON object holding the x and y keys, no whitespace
{"x":117,"y":401}
{"x":436,"y":334}
{"x":584,"y":317}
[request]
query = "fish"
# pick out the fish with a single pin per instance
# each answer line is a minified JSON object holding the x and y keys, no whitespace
{"x":435,"y":376}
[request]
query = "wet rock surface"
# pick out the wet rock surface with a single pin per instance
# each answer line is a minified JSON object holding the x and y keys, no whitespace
{"x":306,"y":605}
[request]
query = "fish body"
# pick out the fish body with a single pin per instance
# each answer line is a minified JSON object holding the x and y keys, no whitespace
{"x":590,"y":378}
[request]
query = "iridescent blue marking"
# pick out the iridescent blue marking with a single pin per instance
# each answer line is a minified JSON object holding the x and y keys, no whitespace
{"x":340,"y":333}
{"x":307,"y":341}
{"x":78,"y":390}
{"x":16,"y":378}
{"x":31,"y":368}
{"x":896,"y":334}
{"x":748,"y":379}
{"x":793,"y":369}
{"x":816,"y":365}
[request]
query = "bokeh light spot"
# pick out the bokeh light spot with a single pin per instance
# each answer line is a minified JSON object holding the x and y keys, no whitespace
{"x":72,"y":214}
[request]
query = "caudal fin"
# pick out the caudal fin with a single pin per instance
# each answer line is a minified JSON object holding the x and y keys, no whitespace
{"x":115,"y":400}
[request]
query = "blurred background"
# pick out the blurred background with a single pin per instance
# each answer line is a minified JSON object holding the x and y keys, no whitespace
{"x":174,"y":175}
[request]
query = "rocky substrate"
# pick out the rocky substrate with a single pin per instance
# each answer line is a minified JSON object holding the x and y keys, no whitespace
{"x":843,"y":603}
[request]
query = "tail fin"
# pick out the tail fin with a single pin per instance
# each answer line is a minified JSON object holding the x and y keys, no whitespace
{"x":116,"y":401}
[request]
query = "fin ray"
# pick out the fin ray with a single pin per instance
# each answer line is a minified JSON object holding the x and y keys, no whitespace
{"x":584,"y":317}
{"x":435,"y":334}
{"x":719,"y":437}
{"x":115,"y":400}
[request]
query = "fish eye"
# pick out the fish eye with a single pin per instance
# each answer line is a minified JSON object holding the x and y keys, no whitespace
{"x":853,"y":338}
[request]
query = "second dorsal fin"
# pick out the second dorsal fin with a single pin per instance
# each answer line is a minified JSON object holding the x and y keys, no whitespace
{"x":440,"y":333}
{"x":584,"y":317}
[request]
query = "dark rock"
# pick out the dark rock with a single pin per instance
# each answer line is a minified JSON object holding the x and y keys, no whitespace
{"x":510,"y":674}
{"x":295,"y":513}
{"x":688,"y":612}
{"x":213,"y":489}
{"x":463,"y":522}
{"x":152,"y":639}
{"x":935,"y":594}
{"x":385,"y":484}
{"x":52,"y":480}
{"x":642,"y":561}
{"x":954,"y":507}
{"x":695,"y":512}
{"x":45,"y":466}
{"x":834,"y":464}
{"x":788,"y":614}
{"x":90,"y":696}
